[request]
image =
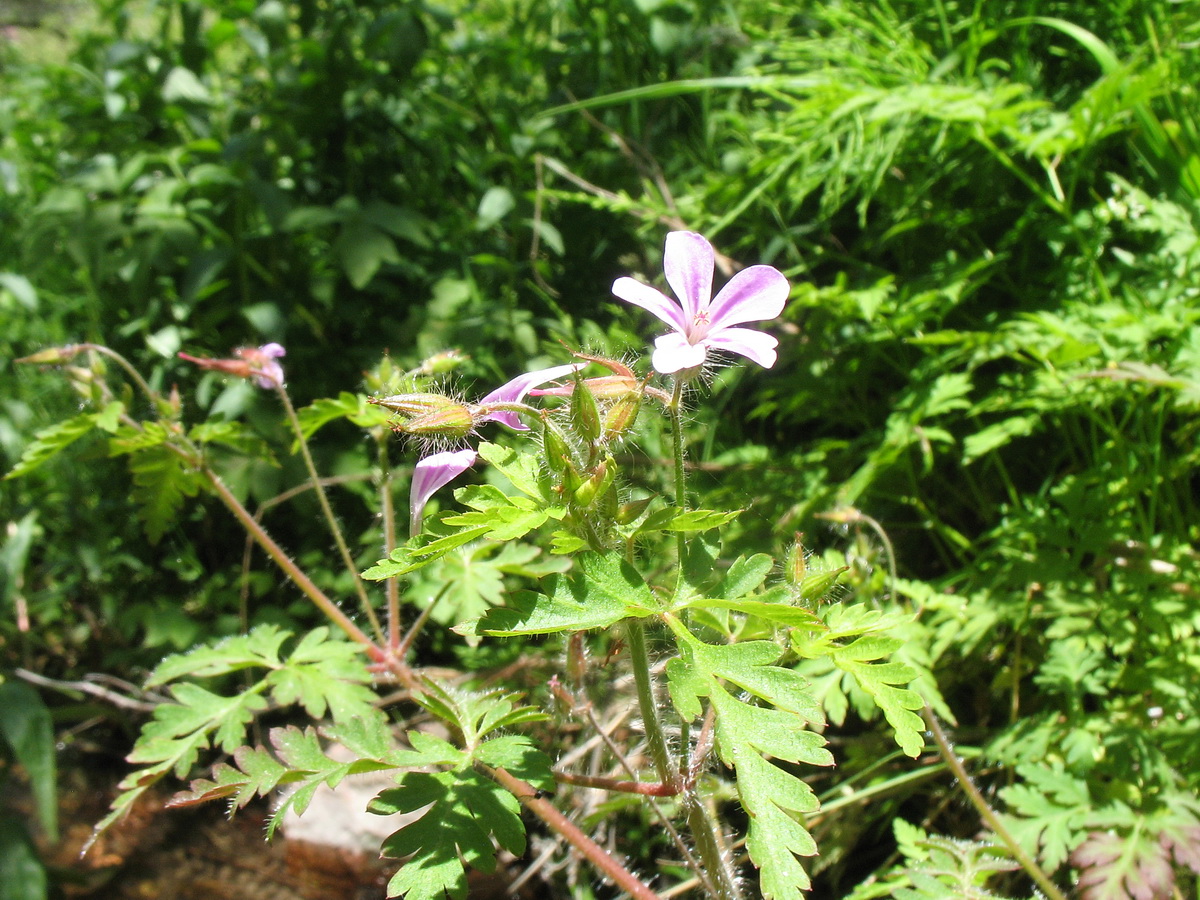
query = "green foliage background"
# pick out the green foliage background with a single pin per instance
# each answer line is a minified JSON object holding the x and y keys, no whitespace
{"x":988,"y":212}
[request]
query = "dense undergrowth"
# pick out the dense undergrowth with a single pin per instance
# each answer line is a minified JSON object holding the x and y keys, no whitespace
{"x":984,"y":405}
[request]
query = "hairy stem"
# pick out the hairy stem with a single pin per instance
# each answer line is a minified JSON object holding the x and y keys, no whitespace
{"x":1027,"y":862}
{"x":532,"y":800}
{"x":294,"y":572}
{"x":388,"y":511}
{"x":704,"y":829}
{"x":331,"y":520}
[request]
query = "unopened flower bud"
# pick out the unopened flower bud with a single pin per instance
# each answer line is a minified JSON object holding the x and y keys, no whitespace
{"x":597,"y":485}
{"x":585,"y":414}
{"x":51,"y":355}
{"x":621,"y":416}
{"x":815,"y":585}
{"x":441,"y":363}
{"x":453,"y":421}
{"x":431,"y":415}
{"x":795,"y":564}
{"x":556,"y":447}
{"x":414,"y":404}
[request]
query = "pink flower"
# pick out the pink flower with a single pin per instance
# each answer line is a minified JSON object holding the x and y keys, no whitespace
{"x":701,"y":324}
{"x":433,"y":472}
{"x":252,"y":362}
{"x":515,"y":391}
{"x":439,"y":469}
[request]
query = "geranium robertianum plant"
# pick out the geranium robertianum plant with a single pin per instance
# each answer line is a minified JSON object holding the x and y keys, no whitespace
{"x":727,"y":723}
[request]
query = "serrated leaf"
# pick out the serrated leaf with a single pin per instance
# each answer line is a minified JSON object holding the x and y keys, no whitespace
{"x":880,"y":681}
{"x":234,"y":435}
{"x":421,"y":551}
{"x":770,"y":795}
{"x":691,"y":520}
{"x":745,"y":575}
{"x":750,"y":665}
{"x":258,"y":648}
{"x":1051,"y":811}
{"x":51,"y":441}
{"x":501,"y":523}
{"x":517,"y":754}
{"x":601,"y":591}
{"x":128,"y":439}
{"x":161,"y":482}
{"x":466,"y":811}
{"x":522,"y":469}
{"x":698,"y":568}
{"x":325,"y":672}
{"x":346,"y":405}
{"x":196,"y":712}
{"x":257,"y":774}
{"x":779,"y":612}
{"x":1123,"y":866}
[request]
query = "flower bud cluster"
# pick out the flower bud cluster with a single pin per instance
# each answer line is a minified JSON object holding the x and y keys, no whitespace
{"x":599,"y":413}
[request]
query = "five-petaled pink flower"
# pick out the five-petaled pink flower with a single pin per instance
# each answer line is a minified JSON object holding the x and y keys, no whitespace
{"x":701,"y":324}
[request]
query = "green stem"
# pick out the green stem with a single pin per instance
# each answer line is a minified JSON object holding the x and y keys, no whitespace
{"x":125,"y":364}
{"x":338,"y":538}
{"x":676,"y":414}
{"x":1027,"y":862}
{"x":388,"y":511}
{"x":656,"y":742}
{"x":704,"y":829}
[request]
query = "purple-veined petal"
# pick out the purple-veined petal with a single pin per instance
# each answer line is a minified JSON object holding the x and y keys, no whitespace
{"x":514,"y":392}
{"x":672,"y":352}
{"x":755,"y":345}
{"x":752,"y":295}
{"x":431,"y":473}
{"x":688,"y":264}
{"x":651,"y":300}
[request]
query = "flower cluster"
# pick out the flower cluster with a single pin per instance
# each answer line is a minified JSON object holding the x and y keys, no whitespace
{"x":435,"y":416}
{"x":603,"y":409}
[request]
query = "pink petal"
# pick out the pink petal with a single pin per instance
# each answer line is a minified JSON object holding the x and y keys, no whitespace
{"x":652,"y":300}
{"x":431,"y":473}
{"x":688,"y":263}
{"x":672,"y":352}
{"x":752,"y":295}
{"x":755,"y":345}
{"x":515,"y":391}
{"x":273,"y":350}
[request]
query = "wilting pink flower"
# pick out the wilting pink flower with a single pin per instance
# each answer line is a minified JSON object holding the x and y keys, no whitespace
{"x":433,"y":472}
{"x":252,"y":362}
{"x":701,"y":324}
{"x":515,"y":391}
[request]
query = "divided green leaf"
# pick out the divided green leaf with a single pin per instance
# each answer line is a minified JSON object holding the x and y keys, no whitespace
{"x":601,"y":591}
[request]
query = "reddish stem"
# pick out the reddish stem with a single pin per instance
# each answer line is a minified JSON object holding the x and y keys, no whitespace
{"x":646,"y":788}
{"x":531,"y":799}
